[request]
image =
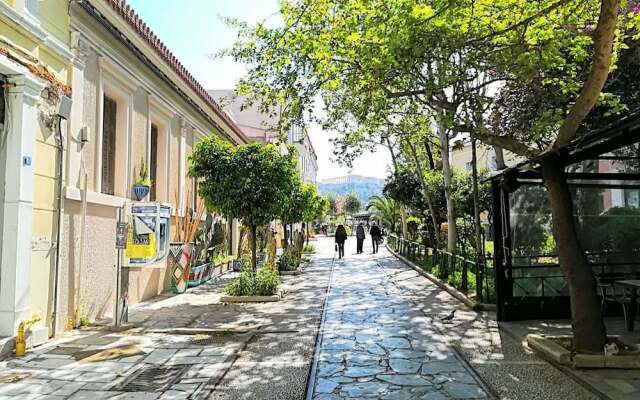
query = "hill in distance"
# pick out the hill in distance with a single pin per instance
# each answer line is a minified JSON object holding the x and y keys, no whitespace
{"x":363,"y":186}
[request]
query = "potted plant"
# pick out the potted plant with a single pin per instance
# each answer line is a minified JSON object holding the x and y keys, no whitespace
{"x":143,"y":185}
{"x":181,"y":249}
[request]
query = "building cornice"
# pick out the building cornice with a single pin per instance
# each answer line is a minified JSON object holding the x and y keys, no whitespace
{"x":32,"y":28}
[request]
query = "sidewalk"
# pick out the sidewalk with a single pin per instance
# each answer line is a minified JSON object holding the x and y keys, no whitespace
{"x":184,"y":346}
{"x":497,"y":351}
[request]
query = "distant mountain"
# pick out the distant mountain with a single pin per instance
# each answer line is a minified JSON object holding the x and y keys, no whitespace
{"x":363,"y":186}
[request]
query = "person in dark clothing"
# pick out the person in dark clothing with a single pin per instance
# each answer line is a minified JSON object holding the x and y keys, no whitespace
{"x":340,"y":237}
{"x":376,"y":234}
{"x":359,"y":238}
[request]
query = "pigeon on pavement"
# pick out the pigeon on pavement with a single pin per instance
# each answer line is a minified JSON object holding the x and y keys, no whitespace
{"x":449,"y":317}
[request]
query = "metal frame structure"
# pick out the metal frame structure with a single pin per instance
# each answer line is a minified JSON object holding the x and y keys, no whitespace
{"x":595,"y":145}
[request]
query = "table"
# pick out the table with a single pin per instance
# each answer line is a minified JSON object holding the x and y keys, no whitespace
{"x":634,"y":285}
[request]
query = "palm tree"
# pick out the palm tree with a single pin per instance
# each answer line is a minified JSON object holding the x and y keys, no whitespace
{"x":385,"y":209}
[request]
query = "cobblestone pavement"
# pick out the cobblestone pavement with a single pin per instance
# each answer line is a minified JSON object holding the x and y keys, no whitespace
{"x":511,"y":370}
{"x":189,"y":346}
{"x":377,"y":343}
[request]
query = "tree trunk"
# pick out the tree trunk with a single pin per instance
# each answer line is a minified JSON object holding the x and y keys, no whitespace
{"x":254,"y":250}
{"x":425,"y":193}
{"x":476,"y":207}
{"x":500,"y":164}
{"x":452,"y":232}
{"x":403,"y":221}
{"x":588,"y":328}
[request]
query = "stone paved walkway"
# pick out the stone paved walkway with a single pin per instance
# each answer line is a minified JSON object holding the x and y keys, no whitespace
{"x":378,"y":344}
{"x":206,"y":348}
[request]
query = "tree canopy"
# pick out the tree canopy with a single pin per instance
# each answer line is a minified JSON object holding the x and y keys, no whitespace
{"x":251,"y":182}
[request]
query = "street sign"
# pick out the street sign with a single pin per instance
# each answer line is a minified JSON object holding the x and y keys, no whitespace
{"x":122,"y":232}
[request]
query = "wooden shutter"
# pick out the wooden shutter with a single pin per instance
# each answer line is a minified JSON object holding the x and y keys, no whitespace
{"x":153,"y":163}
{"x":109,"y":117}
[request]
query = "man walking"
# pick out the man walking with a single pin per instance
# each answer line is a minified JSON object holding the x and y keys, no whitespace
{"x":376,"y":234}
{"x":359,"y":238}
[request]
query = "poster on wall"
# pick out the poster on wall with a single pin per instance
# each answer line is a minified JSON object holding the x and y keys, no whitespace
{"x":148,"y":233}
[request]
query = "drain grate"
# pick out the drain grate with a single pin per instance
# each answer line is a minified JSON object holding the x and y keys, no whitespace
{"x":153,"y":379}
{"x":13,"y":377}
{"x":205,"y":340}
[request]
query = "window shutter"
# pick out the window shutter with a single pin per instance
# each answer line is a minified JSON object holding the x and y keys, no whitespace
{"x":109,"y":117}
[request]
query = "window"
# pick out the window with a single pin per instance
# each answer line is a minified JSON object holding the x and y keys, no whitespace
{"x":109,"y":121}
{"x":153,"y":162}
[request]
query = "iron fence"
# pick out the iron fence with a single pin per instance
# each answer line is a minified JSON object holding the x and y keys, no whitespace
{"x":475,"y":279}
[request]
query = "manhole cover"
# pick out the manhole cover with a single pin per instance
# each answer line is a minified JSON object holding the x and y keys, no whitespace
{"x":13,"y":377}
{"x":207,"y":340}
{"x":153,"y":379}
{"x":65,"y":351}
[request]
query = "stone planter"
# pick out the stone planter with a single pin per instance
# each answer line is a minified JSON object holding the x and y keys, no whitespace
{"x":295,"y":272}
{"x":250,"y":299}
{"x":550,"y":349}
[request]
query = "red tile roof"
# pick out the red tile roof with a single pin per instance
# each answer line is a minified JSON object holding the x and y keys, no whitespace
{"x":132,"y":18}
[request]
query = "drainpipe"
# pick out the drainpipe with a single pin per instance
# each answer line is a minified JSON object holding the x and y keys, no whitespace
{"x":83,"y":217}
{"x":60,"y":140}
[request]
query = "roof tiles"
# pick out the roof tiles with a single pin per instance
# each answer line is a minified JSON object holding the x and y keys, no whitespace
{"x":138,"y":24}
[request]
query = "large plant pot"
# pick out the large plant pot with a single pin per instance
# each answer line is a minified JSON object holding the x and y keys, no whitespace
{"x":180,"y":256}
{"x":141,"y":191}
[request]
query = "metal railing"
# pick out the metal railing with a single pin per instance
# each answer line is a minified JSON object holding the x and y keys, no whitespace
{"x":470,"y":277}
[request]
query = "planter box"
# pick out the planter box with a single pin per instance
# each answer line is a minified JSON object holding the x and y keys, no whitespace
{"x":199,"y":274}
{"x":249,"y":299}
{"x":296,"y":272}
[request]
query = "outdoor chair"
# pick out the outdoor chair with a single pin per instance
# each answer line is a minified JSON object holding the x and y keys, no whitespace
{"x":612,"y":293}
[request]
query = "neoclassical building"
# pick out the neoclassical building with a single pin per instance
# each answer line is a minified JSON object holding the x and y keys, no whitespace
{"x":133,"y":103}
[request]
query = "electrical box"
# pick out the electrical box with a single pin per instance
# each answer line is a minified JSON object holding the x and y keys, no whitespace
{"x":148,"y":235}
{"x":84,"y":134}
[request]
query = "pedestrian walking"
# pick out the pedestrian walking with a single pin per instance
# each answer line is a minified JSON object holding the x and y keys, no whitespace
{"x":340,"y":238}
{"x":376,"y":235}
{"x":360,"y":237}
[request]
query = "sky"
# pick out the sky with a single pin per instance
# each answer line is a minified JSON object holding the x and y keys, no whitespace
{"x":194,"y":29}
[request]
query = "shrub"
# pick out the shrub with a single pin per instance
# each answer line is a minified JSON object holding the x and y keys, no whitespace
{"x":309,"y":248}
{"x":289,"y":261}
{"x":264,"y":283}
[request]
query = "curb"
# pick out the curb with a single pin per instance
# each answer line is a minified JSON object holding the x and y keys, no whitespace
{"x":444,"y":286}
{"x":249,"y":299}
{"x":311,"y":379}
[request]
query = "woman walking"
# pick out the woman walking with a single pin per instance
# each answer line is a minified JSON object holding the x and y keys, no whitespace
{"x":340,"y":237}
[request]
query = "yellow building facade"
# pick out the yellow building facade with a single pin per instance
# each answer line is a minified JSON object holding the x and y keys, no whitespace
{"x":35,"y":68}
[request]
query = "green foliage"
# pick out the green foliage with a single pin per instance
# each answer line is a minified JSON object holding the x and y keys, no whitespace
{"x":617,"y":229}
{"x":290,"y":260}
{"x":143,"y":174}
{"x":309,"y":248}
{"x":264,"y":283}
{"x":386,"y":210}
{"x":251,"y":182}
{"x":404,"y":186}
{"x":352,"y":203}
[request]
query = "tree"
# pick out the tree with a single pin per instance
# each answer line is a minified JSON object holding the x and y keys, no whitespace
{"x":250,"y":182}
{"x":378,"y":61}
{"x":333,"y":204}
{"x":352,"y":203}
{"x":386,"y":210}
